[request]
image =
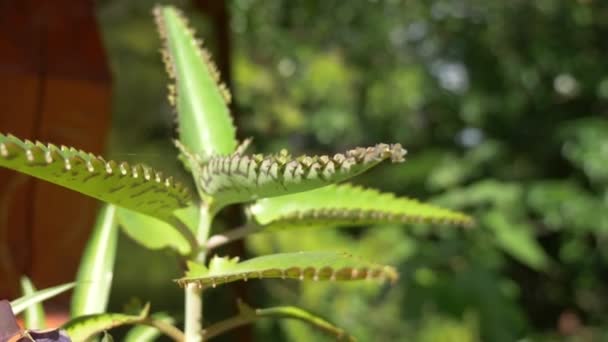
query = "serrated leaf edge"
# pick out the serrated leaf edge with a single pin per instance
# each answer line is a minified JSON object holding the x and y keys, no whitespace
{"x":40,"y":154}
{"x":282,"y":167}
{"x":202,"y":53}
{"x":373,"y":272}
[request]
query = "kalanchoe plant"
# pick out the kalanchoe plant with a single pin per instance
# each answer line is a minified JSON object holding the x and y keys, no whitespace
{"x":281,"y":192}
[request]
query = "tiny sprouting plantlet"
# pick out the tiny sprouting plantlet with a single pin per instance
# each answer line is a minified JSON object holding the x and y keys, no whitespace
{"x":280,"y":192}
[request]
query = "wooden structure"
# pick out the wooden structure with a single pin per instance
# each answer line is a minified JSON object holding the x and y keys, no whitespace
{"x":54,"y":87}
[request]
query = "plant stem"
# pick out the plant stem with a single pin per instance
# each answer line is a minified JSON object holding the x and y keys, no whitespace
{"x":194,"y":295}
{"x":165,"y":328}
{"x":231,"y":235}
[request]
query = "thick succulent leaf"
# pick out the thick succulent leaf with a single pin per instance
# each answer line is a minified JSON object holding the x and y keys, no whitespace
{"x":85,"y":327}
{"x":96,"y":269}
{"x":153,"y":233}
{"x":22,"y":303}
{"x":34,"y":314}
{"x":338,"y":205}
{"x":302,"y":265}
{"x":240,"y":178}
{"x":248,"y":315}
{"x":138,"y":187}
{"x":205,"y":124}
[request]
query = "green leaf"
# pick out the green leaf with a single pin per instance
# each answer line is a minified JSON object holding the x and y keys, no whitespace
{"x":153,"y":233}
{"x":205,"y":124}
{"x":248,"y":315}
{"x":138,"y":187}
{"x":20,"y":304}
{"x":34,"y":314}
{"x":96,"y":266}
{"x":237,"y":178}
{"x":302,"y":265}
{"x":517,"y":239}
{"x":338,"y":205}
{"x":146,"y":333}
{"x":85,"y":327}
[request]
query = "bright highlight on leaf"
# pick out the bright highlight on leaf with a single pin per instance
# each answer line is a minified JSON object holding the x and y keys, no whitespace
{"x":237,"y":178}
{"x":205,"y":124}
{"x":22,"y":303}
{"x":315,"y":266}
{"x":338,"y":205}
{"x":137,"y":187}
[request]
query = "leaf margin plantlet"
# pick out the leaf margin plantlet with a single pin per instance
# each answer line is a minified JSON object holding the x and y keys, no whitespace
{"x":317,"y":266}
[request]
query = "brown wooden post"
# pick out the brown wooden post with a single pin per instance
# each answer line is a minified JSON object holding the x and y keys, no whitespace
{"x":54,"y":87}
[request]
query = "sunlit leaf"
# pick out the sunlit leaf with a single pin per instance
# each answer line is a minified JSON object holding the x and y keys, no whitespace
{"x":303,"y":265}
{"x":205,"y":124}
{"x":240,"y":178}
{"x":137,"y":187}
{"x":153,"y":233}
{"x":338,"y":205}
{"x":22,"y":303}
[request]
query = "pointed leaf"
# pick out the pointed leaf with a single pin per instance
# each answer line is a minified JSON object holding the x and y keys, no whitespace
{"x":20,"y":304}
{"x":34,"y":315}
{"x":239,"y":178}
{"x":153,"y":233}
{"x":96,"y":266}
{"x":205,"y":124}
{"x":339,"y":205}
{"x":248,"y":315}
{"x":302,"y":265}
{"x":84,"y":327}
{"x":138,"y":187}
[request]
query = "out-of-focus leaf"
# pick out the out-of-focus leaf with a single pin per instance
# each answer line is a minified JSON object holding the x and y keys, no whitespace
{"x":338,"y":205}
{"x":586,"y":146}
{"x":107,"y":337}
{"x":34,"y":315}
{"x":316,"y":266}
{"x":142,"y":333}
{"x":517,"y":239}
{"x":248,"y":315}
{"x":237,"y":178}
{"x":137,"y":187}
{"x":22,"y":303}
{"x":567,"y":205}
{"x":96,"y":268}
{"x":85,"y":327}
{"x":205,"y":124}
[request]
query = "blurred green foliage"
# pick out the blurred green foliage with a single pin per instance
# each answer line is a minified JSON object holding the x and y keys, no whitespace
{"x":503,"y":108}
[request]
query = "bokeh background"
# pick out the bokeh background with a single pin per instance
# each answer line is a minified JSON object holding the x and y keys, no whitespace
{"x":502,"y":106}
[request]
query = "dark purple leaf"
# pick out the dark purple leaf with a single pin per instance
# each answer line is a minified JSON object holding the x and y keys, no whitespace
{"x":8,"y":322}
